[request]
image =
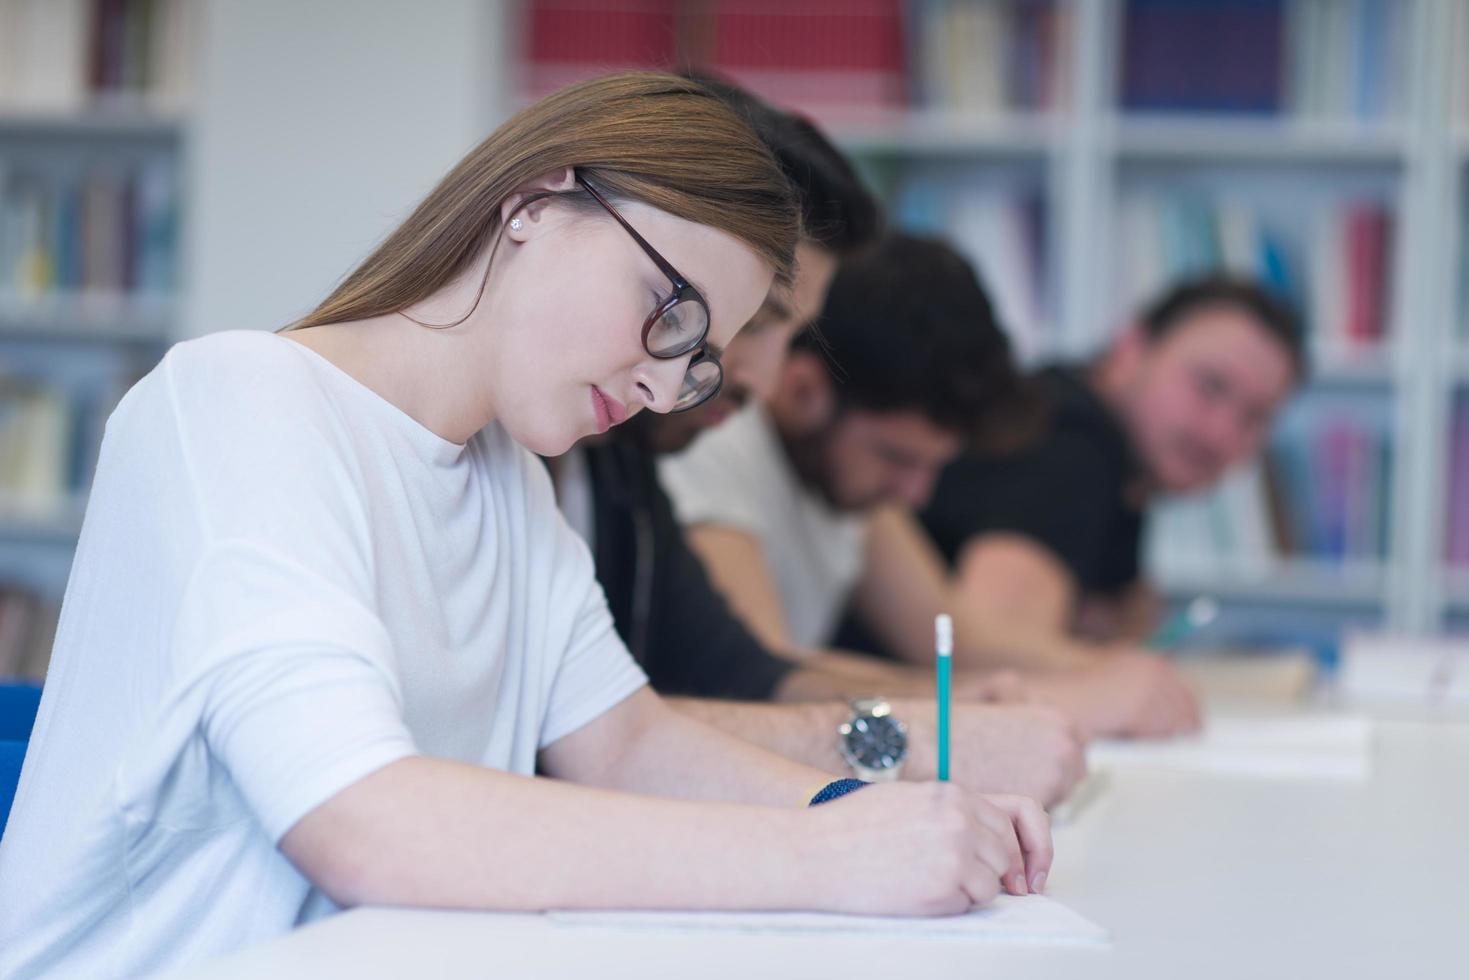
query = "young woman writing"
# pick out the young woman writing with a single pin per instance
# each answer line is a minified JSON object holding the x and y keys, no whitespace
{"x":325,"y":620}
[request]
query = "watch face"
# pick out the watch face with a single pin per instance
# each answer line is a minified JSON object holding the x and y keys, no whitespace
{"x":876,"y":742}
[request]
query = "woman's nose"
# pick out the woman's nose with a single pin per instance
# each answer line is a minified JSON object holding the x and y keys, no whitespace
{"x":659,"y":382}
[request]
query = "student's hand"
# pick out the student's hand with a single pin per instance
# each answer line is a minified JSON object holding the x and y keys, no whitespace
{"x":1028,"y":750}
{"x":926,"y":849}
{"x":1124,"y":692}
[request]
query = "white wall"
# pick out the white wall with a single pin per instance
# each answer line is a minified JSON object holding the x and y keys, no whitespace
{"x":319,"y":124}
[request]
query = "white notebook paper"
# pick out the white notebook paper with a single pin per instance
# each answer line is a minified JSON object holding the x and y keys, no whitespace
{"x":1331,"y":747}
{"x":1012,"y":919}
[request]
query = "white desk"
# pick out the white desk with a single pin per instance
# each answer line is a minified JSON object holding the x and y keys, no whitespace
{"x":1196,"y":878}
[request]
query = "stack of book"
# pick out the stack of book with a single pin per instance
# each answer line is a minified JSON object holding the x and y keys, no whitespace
{"x":1004,"y":56}
{"x":1338,"y":59}
{"x":1348,"y":58}
{"x":1337,"y":270}
{"x":569,"y":40}
{"x":1456,"y":545}
{"x":68,"y":54}
{"x":1461,"y":68}
{"x":49,"y":439}
{"x":110,"y":230}
{"x":1462,"y":292}
{"x":822,"y":56}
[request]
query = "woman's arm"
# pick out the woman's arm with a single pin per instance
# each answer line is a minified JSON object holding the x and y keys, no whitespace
{"x":433,"y":832}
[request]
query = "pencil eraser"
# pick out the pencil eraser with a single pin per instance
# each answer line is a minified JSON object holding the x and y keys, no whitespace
{"x":943,"y":629}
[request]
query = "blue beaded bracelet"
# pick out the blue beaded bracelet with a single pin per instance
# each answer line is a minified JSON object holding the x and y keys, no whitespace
{"x":836,"y":789}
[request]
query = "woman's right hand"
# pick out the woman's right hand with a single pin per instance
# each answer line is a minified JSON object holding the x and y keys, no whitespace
{"x":926,"y":849}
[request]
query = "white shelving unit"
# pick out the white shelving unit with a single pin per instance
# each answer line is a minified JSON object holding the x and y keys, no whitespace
{"x":319,"y":156}
{"x":70,"y":337}
{"x":1082,"y":154}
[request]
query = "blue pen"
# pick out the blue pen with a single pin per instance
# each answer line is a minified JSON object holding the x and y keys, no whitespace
{"x":943,"y":629}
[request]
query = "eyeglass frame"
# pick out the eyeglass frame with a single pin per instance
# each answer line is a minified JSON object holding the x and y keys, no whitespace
{"x":683,"y":290}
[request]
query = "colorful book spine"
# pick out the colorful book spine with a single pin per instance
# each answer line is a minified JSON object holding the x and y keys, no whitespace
{"x":66,"y":54}
{"x":1457,"y":550}
{"x":1336,"y":266}
{"x":1305,"y":58}
{"x":821,"y":56}
{"x":50,"y":435}
{"x":109,"y":230}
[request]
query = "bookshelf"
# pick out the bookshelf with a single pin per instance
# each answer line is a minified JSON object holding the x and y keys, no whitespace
{"x":1369,"y":110}
{"x":93,"y":142}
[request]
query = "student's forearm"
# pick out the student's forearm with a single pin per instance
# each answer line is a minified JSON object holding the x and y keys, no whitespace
{"x":806,"y":733}
{"x":676,"y":754}
{"x":434,"y":832}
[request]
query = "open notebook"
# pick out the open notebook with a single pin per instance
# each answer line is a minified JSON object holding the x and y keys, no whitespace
{"x":1331,"y":747}
{"x":1027,"y":919}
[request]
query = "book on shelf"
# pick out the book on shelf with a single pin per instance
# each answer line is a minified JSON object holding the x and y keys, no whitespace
{"x":571,"y":40}
{"x":989,"y":58}
{"x":101,"y":229}
{"x":1306,"y":59}
{"x":49,"y":439}
{"x":1456,"y":550}
{"x":27,"y":631}
{"x":1461,"y":291}
{"x":821,"y":56}
{"x":1460,"y":95}
{"x":1336,"y":270}
{"x":1320,"y":494}
{"x":813,"y":54}
{"x":1002,"y":231}
{"x":67,"y":55}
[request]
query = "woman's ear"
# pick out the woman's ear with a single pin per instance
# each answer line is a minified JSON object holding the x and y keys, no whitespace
{"x":530,"y":215}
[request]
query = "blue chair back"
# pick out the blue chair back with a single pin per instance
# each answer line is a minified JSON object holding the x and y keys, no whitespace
{"x":18,"y":704}
{"x":12,"y":754}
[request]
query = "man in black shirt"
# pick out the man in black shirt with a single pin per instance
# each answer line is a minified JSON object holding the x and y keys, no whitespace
{"x":1052,"y":533}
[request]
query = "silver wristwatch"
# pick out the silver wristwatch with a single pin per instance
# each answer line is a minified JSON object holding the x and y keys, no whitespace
{"x":873,"y":742}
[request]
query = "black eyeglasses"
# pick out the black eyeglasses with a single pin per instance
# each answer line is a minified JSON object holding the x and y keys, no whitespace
{"x":679,"y":325}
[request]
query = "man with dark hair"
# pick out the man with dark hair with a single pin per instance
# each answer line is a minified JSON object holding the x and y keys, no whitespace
{"x":681,"y":631}
{"x":801,"y":505}
{"x":1050,"y":535}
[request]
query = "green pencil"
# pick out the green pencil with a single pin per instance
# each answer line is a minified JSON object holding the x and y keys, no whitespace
{"x":943,"y":628}
{"x":1197,"y":614}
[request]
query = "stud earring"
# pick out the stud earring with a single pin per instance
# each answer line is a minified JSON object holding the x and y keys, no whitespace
{"x":516,"y":224}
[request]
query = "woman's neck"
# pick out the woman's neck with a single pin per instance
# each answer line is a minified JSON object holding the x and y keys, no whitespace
{"x":423,"y":371}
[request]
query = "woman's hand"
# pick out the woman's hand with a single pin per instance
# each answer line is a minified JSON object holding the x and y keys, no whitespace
{"x":927,"y":849}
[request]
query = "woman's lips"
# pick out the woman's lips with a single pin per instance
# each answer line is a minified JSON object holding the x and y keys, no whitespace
{"x":609,"y":410}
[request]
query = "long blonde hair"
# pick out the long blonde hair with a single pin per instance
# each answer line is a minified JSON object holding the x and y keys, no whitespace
{"x":643,"y":136}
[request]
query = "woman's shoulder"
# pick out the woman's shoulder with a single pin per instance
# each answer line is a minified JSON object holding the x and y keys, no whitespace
{"x":239,"y":379}
{"x":235,"y":368}
{"x":236,"y":354}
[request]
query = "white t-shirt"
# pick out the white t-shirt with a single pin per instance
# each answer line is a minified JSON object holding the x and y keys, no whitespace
{"x":283,"y":583}
{"x":739,"y":476}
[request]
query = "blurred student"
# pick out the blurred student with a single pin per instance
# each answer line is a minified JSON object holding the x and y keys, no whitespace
{"x":1183,"y":394}
{"x":681,"y":631}
{"x":799,"y":506}
{"x":325,"y":621}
